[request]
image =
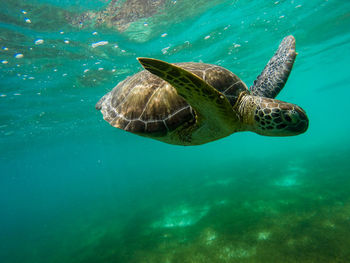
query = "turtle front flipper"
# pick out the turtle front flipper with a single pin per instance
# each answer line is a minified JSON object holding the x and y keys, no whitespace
{"x":208,"y":103}
{"x":275,"y":74}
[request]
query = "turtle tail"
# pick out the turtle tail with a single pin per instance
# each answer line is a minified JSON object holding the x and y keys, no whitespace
{"x":98,"y":105}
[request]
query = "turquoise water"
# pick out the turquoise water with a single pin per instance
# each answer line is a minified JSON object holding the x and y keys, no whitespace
{"x":75,"y":189}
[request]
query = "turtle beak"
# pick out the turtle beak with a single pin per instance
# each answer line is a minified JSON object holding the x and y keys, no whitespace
{"x":302,"y":124}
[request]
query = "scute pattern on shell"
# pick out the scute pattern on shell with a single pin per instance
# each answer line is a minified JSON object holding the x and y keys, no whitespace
{"x":145,"y":104}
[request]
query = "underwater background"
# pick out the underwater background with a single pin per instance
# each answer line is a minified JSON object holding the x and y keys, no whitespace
{"x":75,"y":189}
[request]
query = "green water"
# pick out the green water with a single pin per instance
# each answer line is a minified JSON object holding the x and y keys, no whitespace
{"x":75,"y":189}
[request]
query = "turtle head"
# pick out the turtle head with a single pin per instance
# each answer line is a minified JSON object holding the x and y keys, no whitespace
{"x":278,"y":118}
{"x":271,"y":117}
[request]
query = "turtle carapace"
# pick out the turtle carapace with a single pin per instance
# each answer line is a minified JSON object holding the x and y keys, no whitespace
{"x":195,"y":103}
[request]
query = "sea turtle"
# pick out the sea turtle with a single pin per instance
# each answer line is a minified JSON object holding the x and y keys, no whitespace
{"x":195,"y":103}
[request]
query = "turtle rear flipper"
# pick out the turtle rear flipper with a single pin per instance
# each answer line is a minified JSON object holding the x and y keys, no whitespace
{"x":208,"y":103}
{"x":275,"y":74}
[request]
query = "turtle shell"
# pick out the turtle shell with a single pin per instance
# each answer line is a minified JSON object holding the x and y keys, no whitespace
{"x":145,"y":104}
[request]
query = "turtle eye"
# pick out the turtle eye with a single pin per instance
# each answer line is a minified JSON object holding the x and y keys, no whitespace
{"x":290,"y":116}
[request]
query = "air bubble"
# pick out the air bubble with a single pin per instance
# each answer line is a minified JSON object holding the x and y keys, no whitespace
{"x":39,"y":41}
{"x":100,"y":43}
